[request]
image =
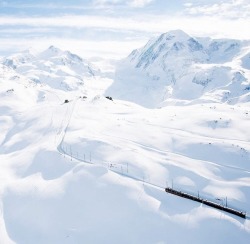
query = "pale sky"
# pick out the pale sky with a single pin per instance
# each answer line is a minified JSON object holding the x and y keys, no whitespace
{"x":113,"y":28}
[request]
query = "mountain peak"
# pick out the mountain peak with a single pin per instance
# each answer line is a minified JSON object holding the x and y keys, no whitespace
{"x":176,"y":34}
{"x":170,"y":44}
{"x":51,"y":52}
{"x":54,"y":49}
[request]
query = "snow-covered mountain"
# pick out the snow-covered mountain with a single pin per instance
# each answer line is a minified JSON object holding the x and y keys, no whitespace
{"x":53,"y":67}
{"x":176,"y":66}
{"x":93,"y":170}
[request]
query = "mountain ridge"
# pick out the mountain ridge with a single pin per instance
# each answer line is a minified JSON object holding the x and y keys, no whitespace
{"x":184,"y":68}
{"x":54,"y":67}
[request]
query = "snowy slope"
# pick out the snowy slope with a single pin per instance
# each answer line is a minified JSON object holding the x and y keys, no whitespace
{"x":94,"y":170}
{"x":180,"y":67}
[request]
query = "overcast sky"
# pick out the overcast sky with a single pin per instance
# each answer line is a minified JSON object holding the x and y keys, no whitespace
{"x":113,"y":28}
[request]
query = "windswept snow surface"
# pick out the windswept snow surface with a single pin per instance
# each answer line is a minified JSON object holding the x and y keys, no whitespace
{"x":179,"y":67}
{"x":94,"y":170}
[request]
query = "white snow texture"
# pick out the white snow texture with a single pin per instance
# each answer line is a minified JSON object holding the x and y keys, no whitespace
{"x":76,"y":167}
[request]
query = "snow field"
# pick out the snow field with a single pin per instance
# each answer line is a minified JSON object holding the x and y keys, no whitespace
{"x":94,"y":170}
